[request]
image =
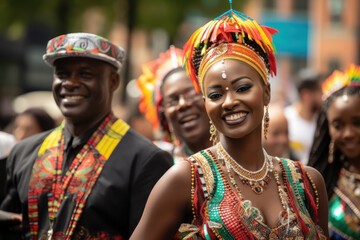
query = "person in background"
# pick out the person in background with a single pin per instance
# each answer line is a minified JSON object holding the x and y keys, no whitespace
{"x":336,"y":151}
{"x":302,"y":114}
{"x":170,"y":102}
{"x":7,"y":142}
{"x":234,"y":189}
{"x":90,"y":177}
{"x":26,"y":124}
{"x":31,"y":122}
{"x":277,"y":142}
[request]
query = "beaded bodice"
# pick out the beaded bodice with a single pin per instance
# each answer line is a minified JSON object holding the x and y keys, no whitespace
{"x":220,"y":213}
{"x":344,"y":207}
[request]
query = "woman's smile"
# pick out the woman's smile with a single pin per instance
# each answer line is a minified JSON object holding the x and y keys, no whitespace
{"x":234,"y":118}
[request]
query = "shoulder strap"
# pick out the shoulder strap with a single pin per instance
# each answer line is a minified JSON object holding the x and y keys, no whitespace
{"x":205,"y":173}
{"x":297,"y":191}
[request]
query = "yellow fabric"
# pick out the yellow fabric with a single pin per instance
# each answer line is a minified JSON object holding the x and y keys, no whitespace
{"x":106,"y":145}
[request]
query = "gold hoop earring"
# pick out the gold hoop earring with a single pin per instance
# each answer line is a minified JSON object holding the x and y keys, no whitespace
{"x":213,"y":134}
{"x":331,"y":152}
{"x":266,"y":121}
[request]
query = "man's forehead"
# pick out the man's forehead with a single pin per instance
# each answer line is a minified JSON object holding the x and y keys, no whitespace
{"x":79,"y":61}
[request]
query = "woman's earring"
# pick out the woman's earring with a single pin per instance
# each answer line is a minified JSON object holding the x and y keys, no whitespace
{"x":213,"y":134}
{"x":331,"y":152}
{"x":266,"y":121}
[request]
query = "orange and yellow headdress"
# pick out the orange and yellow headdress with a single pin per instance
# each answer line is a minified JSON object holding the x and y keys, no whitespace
{"x":231,"y":35}
{"x":151,"y":80}
{"x":339,"y":80}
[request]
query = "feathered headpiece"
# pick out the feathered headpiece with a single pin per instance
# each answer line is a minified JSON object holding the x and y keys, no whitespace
{"x":338,"y":80}
{"x":230,"y":27}
{"x":151,"y":80}
{"x":353,"y":73}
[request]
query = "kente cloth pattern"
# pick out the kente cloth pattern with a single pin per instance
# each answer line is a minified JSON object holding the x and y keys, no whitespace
{"x":344,"y":211}
{"x":84,"y":45}
{"x":219,"y":212}
{"x":70,"y":192}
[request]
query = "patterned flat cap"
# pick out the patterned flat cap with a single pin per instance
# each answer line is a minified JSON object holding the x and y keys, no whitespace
{"x":84,"y":45}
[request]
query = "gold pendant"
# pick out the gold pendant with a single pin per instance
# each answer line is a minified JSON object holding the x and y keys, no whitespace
{"x":257,"y":188}
{"x":50,"y":231}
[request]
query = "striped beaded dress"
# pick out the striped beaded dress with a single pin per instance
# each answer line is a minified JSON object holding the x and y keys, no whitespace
{"x":344,"y":207}
{"x":220,"y":213}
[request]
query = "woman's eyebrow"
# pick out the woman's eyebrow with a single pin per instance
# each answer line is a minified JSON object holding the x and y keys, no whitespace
{"x":238,"y":79}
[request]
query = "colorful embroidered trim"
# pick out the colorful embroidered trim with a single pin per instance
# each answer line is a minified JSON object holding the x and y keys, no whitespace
{"x":79,"y":180}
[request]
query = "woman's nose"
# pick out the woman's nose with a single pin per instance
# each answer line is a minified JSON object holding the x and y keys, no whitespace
{"x":348,"y":132}
{"x":230,"y":101}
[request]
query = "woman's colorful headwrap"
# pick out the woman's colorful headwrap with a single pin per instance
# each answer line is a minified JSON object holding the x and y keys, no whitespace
{"x":338,"y":80}
{"x":234,"y":36}
{"x":151,"y":80}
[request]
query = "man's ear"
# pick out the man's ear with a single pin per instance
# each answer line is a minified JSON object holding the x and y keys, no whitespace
{"x":114,"y":81}
{"x":267,"y":94}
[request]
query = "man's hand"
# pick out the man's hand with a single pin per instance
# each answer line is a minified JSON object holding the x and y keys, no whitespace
{"x":11,"y":221}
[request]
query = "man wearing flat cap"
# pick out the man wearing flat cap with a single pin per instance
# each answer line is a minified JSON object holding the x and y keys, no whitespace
{"x":90,"y":177}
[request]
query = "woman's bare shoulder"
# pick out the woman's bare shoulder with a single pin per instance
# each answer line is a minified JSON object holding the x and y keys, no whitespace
{"x":315,"y":175}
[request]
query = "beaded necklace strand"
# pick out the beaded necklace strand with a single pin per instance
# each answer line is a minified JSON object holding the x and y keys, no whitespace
{"x":282,"y":196}
{"x":255,"y":179}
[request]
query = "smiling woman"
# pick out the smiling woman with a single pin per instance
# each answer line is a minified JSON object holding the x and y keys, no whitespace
{"x":234,"y":189}
{"x":170,"y":101}
{"x":336,"y":151}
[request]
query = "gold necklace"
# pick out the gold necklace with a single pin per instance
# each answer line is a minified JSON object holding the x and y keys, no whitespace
{"x":255,"y":179}
{"x":355,"y":176}
{"x":352,"y":181}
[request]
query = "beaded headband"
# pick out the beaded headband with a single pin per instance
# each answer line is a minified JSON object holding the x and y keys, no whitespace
{"x":231,"y":27}
{"x":84,"y":45}
{"x":339,"y":80}
{"x":232,"y":51}
{"x":151,"y":80}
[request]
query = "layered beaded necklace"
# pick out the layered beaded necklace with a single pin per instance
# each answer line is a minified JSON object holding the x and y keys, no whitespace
{"x":255,"y":179}
{"x":354,"y":181}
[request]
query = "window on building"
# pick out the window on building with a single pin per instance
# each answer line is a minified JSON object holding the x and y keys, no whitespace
{"x":301,"y":6}
{"x":335,"y":10}
{"x":270,"y":5}
{"x":333,"y":65}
